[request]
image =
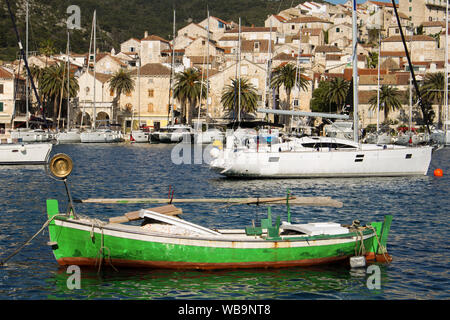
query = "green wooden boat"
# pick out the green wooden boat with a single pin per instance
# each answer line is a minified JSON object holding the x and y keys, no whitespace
{"x":163,"y":240}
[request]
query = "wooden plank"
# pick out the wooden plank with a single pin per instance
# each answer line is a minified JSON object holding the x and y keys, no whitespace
{"x":169,"y":210}
{"x":305,"y":201}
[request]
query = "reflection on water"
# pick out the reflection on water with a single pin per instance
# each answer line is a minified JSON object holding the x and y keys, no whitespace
{"x":420,"y":206}
{"x":291,"y":283}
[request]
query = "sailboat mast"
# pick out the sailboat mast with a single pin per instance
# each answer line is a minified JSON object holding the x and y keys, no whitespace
{"x":355,"y":75}
{"x":378,"y":80}
{"x":95,"y":58}
{"x":446,"y":75}
{"x":68,"y":79}
{"x":207,"y":74}
{"x":172,"y":74}
{"x":239,"y":73}
{"x":26,"y":54}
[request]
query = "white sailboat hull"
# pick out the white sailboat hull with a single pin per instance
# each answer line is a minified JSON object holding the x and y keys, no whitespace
{"x":393,"y":161}
{"x":99,"y":137}
{"x":31,"y":135}
{"x":140,"y":136}
{"x":17,"y":153}
{"x":68,"y":137}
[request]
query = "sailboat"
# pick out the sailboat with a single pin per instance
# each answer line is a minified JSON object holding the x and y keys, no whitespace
{"x":13,"y":150}
{"x":97,"y":135}
{"x":210,"y":134}
{"x":28,"y":134}
{"x":71,"y":135}
{"x":443,"y":136}
{"x":319,"y":156}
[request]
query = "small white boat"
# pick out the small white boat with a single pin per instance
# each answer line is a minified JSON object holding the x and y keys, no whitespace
{"x":174,"y":133}
{"x":13,"y":153}
{"x":31,"y":135}
{"x":139,"y":136}
{"x":100,"y":136}
{"x":71,"y":136}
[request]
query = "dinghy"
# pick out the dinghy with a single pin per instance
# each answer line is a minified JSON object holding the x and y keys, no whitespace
{"x":158,"y":238}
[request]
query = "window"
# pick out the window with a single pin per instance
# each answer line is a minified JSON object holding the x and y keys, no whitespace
{"x":338,"y":30}
{"x":410,"y":9}
{"x":150,"y":107}
{"x":256,"y":45}
{"x":1,"y":106}
{"x":293,"y":27}
{"x":131,"y":49}
{"x":151,"y":93}
{"x":1,"y":88}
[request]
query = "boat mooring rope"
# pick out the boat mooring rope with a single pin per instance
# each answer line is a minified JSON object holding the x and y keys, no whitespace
{"x":2,"y":263}
{"x":99,"y":258}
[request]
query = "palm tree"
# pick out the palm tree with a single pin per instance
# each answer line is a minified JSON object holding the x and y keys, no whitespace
{"x":53,"y":85}
{"x":287,"y":76}
{"x":389,"y":100}
{"x":372,"y":60}
{"x":187,"y":89}
{"x":248,"y":93}
{"x":337,"y":92}
{"x":47,"y":48}
{"x":120,"y":82}
{"x":433,"y":89}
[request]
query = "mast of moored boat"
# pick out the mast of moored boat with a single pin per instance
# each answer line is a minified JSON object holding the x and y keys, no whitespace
{"x":355,"y":75}
{"x":95,"y":58}
{"x":446,"y":76}
{"x":239,"y":73}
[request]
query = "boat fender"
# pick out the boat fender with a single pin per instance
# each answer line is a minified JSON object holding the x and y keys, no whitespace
{"x":358,"y":262}
{"x":23,"y":149}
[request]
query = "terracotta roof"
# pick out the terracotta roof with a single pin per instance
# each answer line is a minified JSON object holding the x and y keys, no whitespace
{"x":249,"y":45}
{"x":229,"y":38}
{"x":414,"y":38}
{"x":102,"y":77}
{"x":433,"y":24}
{"x":392,"y":54}
{"x":153,"y":69}
{"x":284,"y":56}
{"x":5,"y":74}
{"x":383,"y":4}
{"x":154,"y":38}
{"x":280,"y":18}
{"x":333,"y":57}
{"x":327,"y":49}
{"x":311,"y":31}
{"x":218,"y":19}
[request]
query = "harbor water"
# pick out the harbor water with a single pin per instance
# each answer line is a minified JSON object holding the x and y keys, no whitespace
{"x":418,"y":241}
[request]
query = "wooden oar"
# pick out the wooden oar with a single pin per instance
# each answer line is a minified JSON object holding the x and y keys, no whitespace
{"x":305,"y":201}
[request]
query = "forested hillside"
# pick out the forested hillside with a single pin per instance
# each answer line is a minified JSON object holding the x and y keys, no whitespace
{"x":119,"y":20}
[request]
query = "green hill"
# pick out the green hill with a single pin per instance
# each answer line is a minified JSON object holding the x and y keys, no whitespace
{"x":119,"y":20}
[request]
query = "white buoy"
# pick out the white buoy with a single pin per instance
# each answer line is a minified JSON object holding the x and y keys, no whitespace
{"x":358,"y":262}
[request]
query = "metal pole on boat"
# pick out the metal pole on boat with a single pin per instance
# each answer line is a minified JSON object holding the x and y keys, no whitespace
{"x":378,"y":86}
{"x":239,"y":73}
{"x":26,"y":54}
{"x":355,"y":75}
{"x":95,"y":58}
